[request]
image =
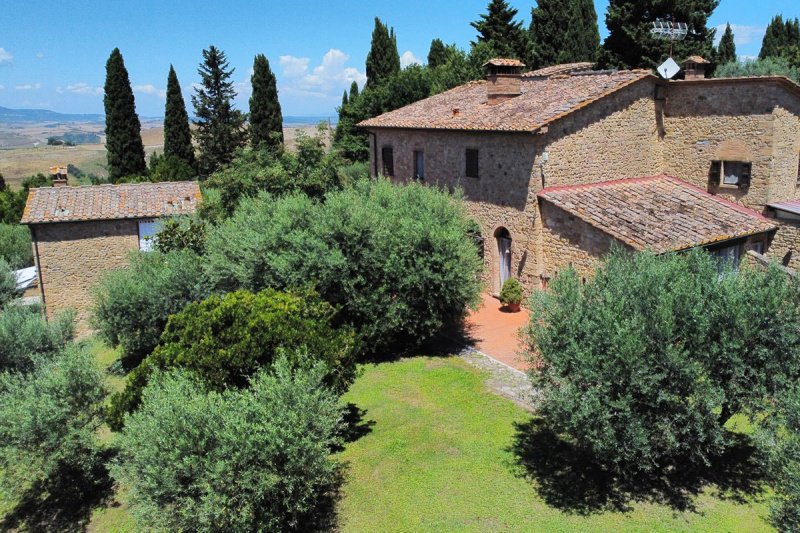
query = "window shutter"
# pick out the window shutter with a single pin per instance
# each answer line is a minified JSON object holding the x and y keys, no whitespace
{"x":744,"y":180}
{"x":715,"y":172}
{"x":387,"y":154}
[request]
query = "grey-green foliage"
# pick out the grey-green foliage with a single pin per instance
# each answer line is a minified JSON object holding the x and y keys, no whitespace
{"x":780,"y":441}
{"x":394,"y":259}
{"x":26,"y":338}
{"x":132,"y":304}
{"x":644,"y":364}
{"x":760,"y":67}
{"x":48,"y":420}
{"x":15,"y":245}
{"x":256,"y":459}
{"x":8,"y":284}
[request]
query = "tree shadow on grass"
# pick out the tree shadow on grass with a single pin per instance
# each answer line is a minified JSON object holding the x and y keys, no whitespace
{"x":64,"y":503}
{"x":452,"y":339}
{"x":570,"y":479}
{"x":355,"y":426}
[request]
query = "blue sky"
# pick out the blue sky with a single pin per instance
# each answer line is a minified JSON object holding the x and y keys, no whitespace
{"x":52,"y":54}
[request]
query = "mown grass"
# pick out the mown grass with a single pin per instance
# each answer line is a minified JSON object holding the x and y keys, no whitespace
{"x":439,"y":458}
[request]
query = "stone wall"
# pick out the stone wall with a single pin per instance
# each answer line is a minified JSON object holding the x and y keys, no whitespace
{"x":711,"y":121}
{"x":569,"y":241}
{"x":785,"y":247}
{"x":72,"y":256}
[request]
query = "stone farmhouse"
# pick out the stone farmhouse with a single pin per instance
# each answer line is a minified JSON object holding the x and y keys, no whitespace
{"x":80,"y":232}
{"x":559,"y":164}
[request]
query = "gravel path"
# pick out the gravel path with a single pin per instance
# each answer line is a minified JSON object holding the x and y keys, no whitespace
{"x":503,"y":380}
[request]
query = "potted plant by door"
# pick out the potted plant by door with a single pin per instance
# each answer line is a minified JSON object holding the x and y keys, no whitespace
{"x":511,"y":295}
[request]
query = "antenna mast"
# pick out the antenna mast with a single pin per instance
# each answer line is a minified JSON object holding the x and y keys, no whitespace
{"x":668,"y":30}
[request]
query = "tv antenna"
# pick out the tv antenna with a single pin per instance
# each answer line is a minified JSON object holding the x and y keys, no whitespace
{"x":666,"y":30}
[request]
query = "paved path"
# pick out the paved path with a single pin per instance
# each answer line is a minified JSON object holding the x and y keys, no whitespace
{"x":503,"y":380}
{"x":496,"y":332}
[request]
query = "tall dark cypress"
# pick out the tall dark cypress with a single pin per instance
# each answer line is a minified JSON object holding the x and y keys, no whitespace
{"x":630,"y":43}
{"x":726,"y":51}
{"x":437,"y":55}
{"x":344,"y":98}
{"x":383,"y":59}
{"x":564,"y":32}
{"x":775,"y":39}
{"x":220,"y":127}
{"x":177,"y":135}
{"x":353,"y":91}
{"x":125,"y":150}
{"x":505,"y":35}
{"x":266,"y":119}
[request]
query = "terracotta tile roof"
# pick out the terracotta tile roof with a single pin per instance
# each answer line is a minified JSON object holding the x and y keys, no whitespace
{"x":659,"y":213}
{"x":110,"y":202}
{"x":790,"y":206}
{"x":503,"y":62}
{"x":697,"y":59}
{"x":564,"y":68}
{"x":542,"y":101}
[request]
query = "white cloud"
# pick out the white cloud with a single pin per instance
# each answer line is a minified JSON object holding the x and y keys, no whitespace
{"x":408,"y":58}
{"x":149,"y":88}
{"x":5,"y":57}
{"x":29,"y":87}
{"x":40,"y":55}
{"x":326,"y":80}
{"x":80,"y":88}
{"x":742,"y":34}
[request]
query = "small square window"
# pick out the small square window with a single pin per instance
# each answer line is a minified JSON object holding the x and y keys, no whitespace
{"x":471,"y":157}
{"x":387,"y":155}
{"x":148,"y":234}
{"x":419,"y":165}
{"x":731,"y":173}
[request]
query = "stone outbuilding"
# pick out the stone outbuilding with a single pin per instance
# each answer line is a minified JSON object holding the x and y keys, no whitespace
{"x":511,"y":141}
{"x":80,"y":232}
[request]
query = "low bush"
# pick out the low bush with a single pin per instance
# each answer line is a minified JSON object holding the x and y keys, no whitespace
{"x":253,"y":459}
{"x":511,"y":293}
{"x":132,"y":304}
{"x":48,"y":420}
{"x":26,"y":338}
{"x":225,"y":339}
{"x":182,"y":234}
{"x":644,"y":364}
{"x":15,"y":245}
{"x":393,"y":259}
{"x":8,"y":284}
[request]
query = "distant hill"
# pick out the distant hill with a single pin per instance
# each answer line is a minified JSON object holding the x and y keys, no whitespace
{"x":44,"y":115}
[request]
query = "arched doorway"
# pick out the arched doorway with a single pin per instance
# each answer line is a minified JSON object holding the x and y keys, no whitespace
{"x":504,"y":254}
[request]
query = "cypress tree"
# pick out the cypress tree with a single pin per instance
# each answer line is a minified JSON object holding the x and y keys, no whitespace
{"x":564,"y":32}
{"x":775,"y":39}
{"x":630,"y":43}
{"x":177,"y":135}
{"x":125,"y":150}
{"x":383,"y":59}
{"x":344,"y":98}
{"x":726,"y":52}
{"x":266,"y":120}
{"x":502,"y":33}
{"x":353,"y":91}
{"x":437,"y":55}
{"x":220,"y":127}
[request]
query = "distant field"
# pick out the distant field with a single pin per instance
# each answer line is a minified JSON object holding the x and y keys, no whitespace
{"x":18,"y":163}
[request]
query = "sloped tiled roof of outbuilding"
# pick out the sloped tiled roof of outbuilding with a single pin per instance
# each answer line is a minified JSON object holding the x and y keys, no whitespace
{"x":564,"y":68}
{"x":111,"y":202}
{"x":541,"y":101}
{"x":658,"y":213}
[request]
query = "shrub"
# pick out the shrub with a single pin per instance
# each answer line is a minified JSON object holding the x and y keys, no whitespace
{"x":781,"y":443}
{"x":132,"y":304}
{"x":770,"y":66}
{"x":255,"y":459}
{"x":226,"y":339}
{"x":182,"y":234}
{"x":48,"y":420}
{"x":26,"y":337}
{"x":643,"y":365}
{"x":393,"y":259}
{"x":8,"y":284}
{"x":511,"y":293}
{"x":15,"y":245}
{"x":170,"y":168}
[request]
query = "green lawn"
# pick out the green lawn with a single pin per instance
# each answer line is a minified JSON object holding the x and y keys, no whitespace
{"x":438,"y":459}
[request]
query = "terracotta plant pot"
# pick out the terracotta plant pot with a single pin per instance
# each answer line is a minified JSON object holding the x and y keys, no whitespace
{"x":513,"y":308}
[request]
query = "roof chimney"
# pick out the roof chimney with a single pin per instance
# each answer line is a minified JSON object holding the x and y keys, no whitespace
{"x":59,"y":176}
{"x":694,"y":68}
{"x":505,"y":79}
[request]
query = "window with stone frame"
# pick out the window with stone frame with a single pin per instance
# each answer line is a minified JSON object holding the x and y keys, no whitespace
{"x":472,"y":157}
{"x":731,"y":173}
{"x":387,"y":156}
